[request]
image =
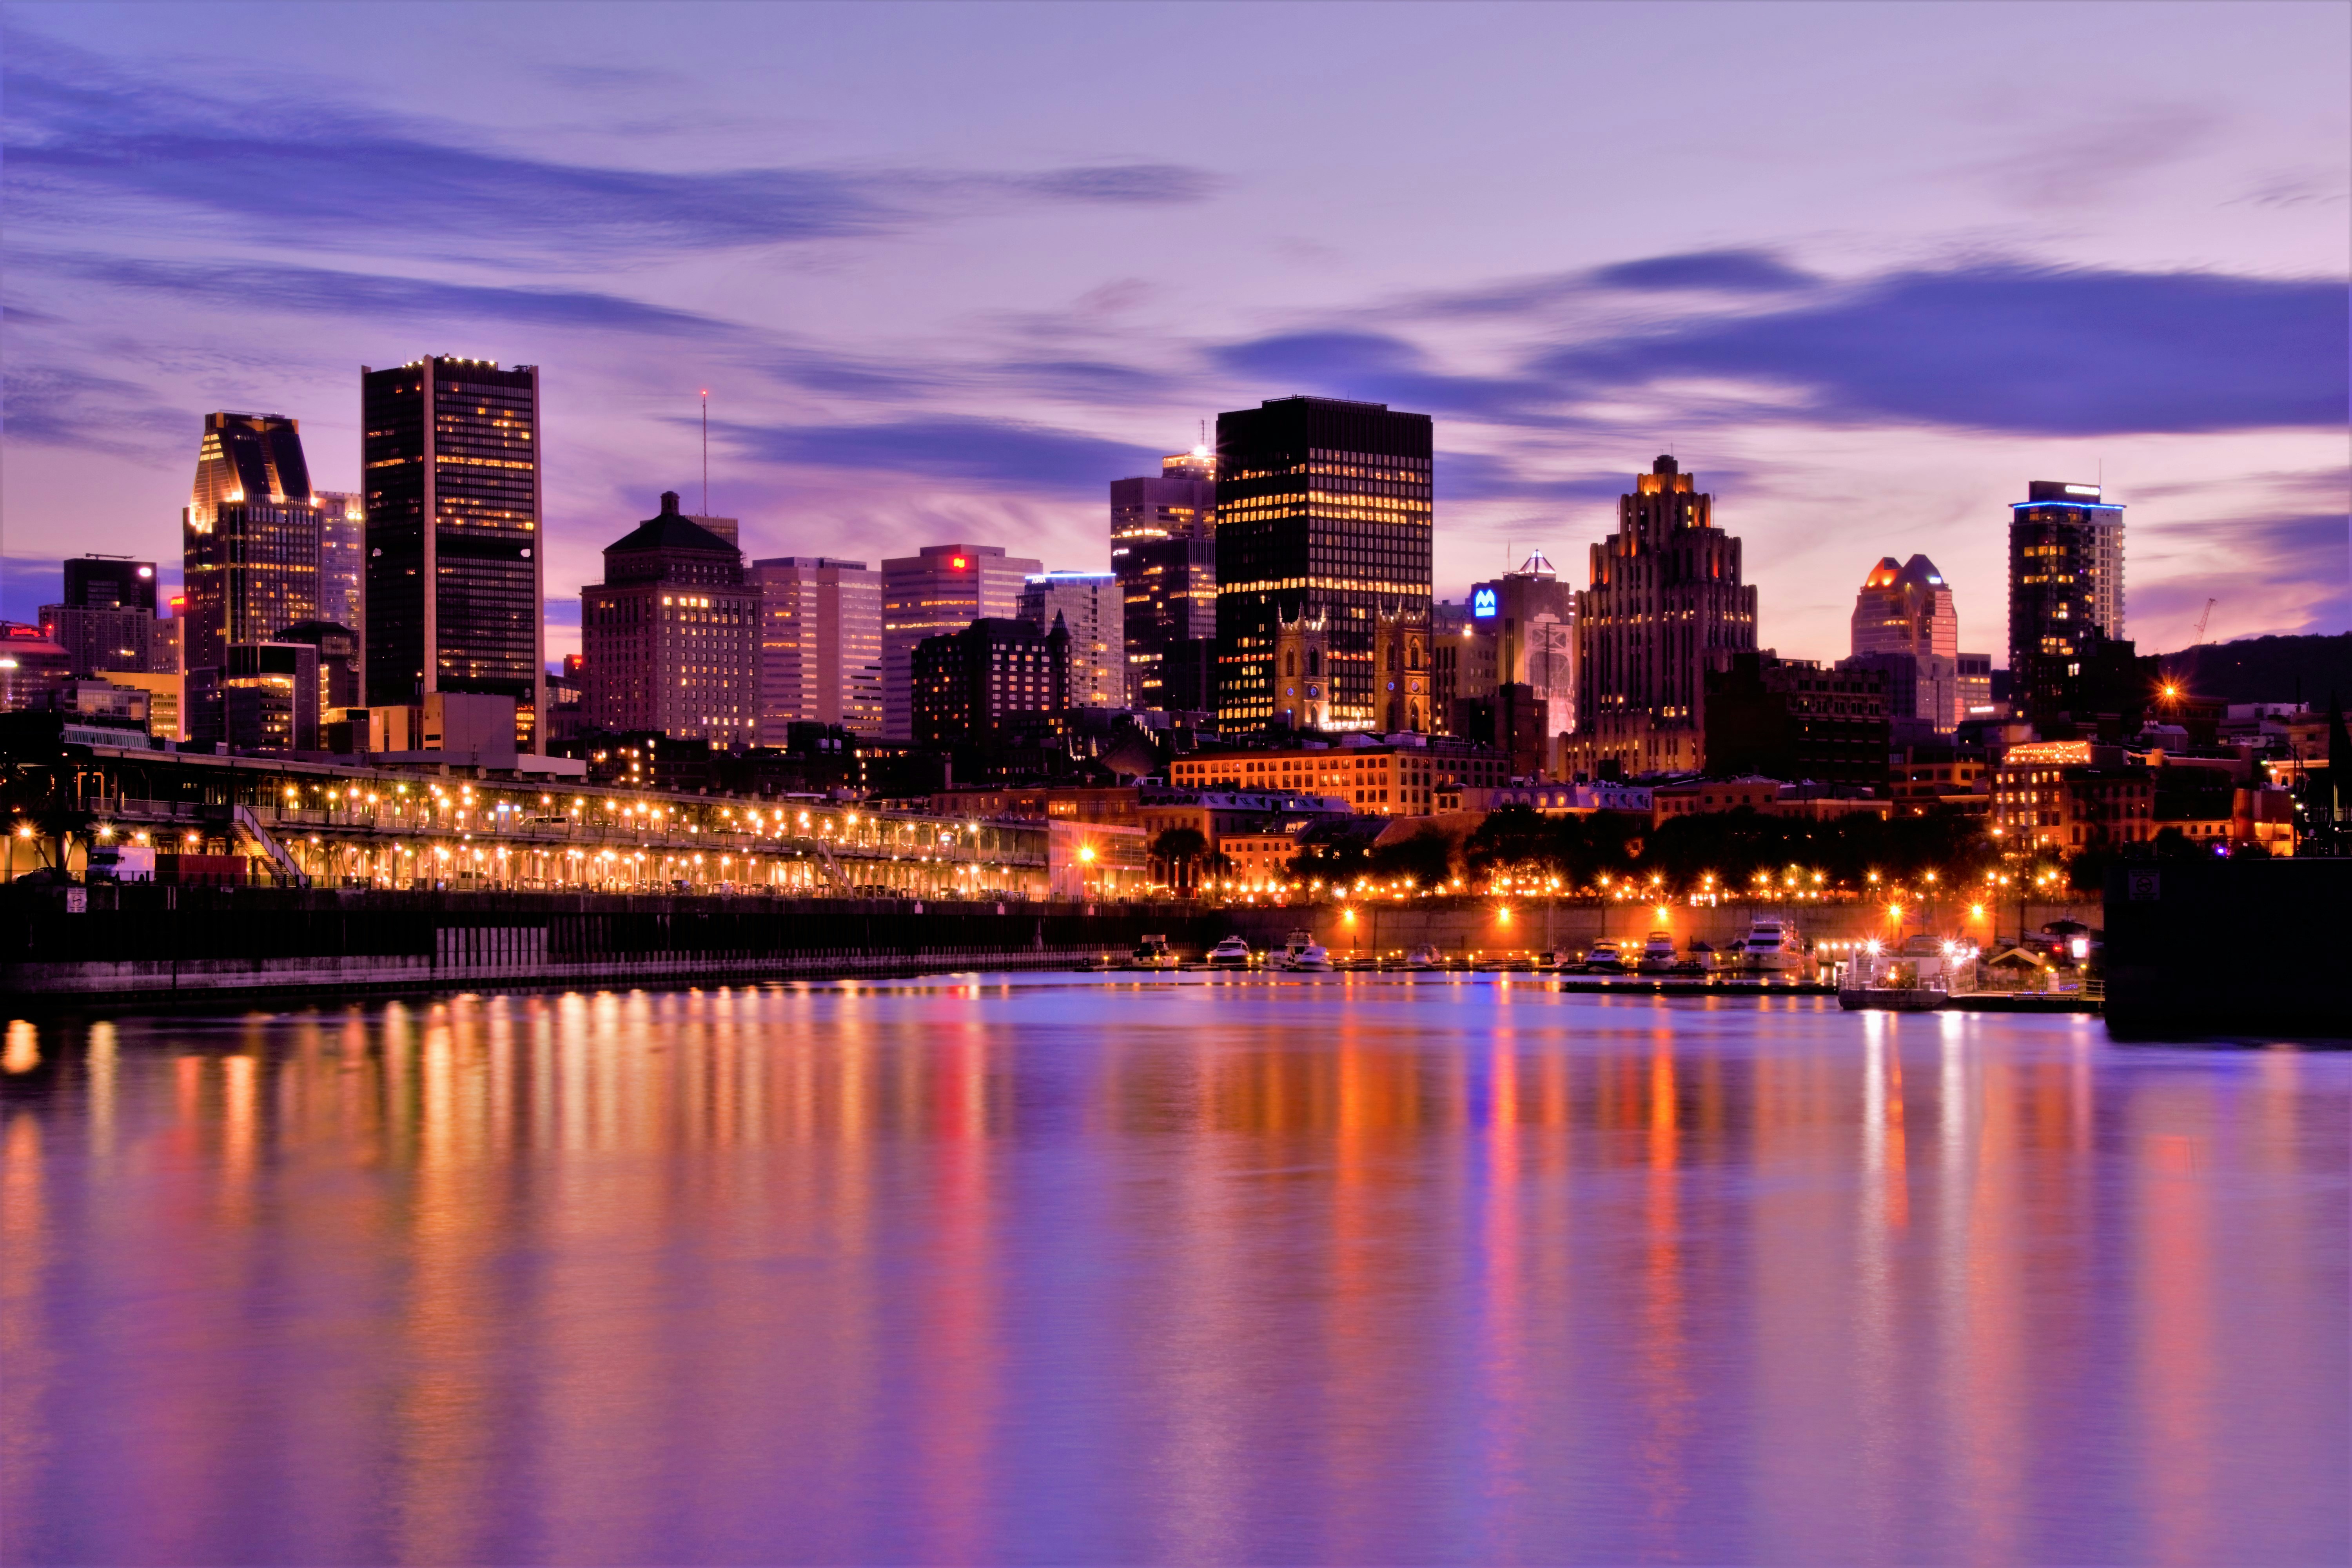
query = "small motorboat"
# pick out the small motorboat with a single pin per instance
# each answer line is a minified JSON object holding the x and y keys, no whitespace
{"x":1421,"y":957}
{"x":1658,"y":954}
{"x":1151,"y":952}
{"x":1312,"y":959}
{"x":1296,"y":942}
{"x":1602,"y":958}
{"x":1231,"y":953}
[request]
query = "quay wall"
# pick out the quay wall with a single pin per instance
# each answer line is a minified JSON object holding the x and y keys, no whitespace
{"x":143,"y":941}
{"x":1475,"y":925}
{"x":2179,"y":934}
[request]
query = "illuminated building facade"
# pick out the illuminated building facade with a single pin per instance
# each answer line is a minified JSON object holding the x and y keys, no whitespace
{"x":2064,"y":796}
{"x":454,"y":598}
{"x":671,"y":637}
{"x":820,"y":645}
{"x":1373,"y":780}
{"x":249,"y":536}
{"x":1904,"y":627}
{"x":343,"y":557}
{"x":1092,"y":605}
{"x":940,"y":588}
{"x":1665,"y":606}
{"x":2065,"y":594}
{"x":1163,"y":549}
{"x":1323,"y":529}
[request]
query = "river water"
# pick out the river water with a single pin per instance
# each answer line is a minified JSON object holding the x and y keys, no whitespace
{"x":1361,"y":1270}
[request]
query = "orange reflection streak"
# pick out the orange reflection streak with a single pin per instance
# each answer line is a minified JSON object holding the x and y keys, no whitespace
{"x":27,"y":1388}
{"x":959,"y":1341}
{"x":2176,"y":1349}
{"x":1505,"y":1362}
{"x":1662,"y":1374}
{"x":442,"y":1442}
{"x":1987,"y":1399}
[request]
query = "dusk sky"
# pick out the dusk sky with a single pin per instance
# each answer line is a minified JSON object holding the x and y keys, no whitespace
{"x":948,"y":270}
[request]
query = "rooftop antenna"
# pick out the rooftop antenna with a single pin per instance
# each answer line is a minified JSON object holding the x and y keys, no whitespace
{"x":706,"y":451}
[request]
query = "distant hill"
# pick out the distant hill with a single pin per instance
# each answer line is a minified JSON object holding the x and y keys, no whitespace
{"x":2268,"y":669}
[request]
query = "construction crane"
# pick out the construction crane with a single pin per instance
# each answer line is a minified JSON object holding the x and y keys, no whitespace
{"x":2202,"y":621}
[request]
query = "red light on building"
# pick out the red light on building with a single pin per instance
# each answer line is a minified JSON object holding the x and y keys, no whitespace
{"x":957,"y":563}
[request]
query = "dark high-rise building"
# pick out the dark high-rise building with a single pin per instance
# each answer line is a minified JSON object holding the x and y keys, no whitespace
{"x":1789,"y":719}
{"x":1665,"y":606}
{"x":249,"y":536}
{"x":991,"y":678}
{"x":268,"y":696}
{"x":1323,"y":537}
{"x":107,"y":622}
{"x":671,"y":636}
{"x":1163,"y":549}
{"x":454,"y":599}
{"x":110,"y":582}
{"x":2065,"y":594}
{"x":1090,"y":604}
{"x":1905,"y":627}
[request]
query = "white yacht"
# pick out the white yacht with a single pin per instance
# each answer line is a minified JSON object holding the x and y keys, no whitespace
{"x":1604,"y":959}
{"x":1772,"y":944}
{"x":1231,"y":953}
{"x":1658,"y":953}
{"x":1421,"y":957}
{"x":1312,"y":959}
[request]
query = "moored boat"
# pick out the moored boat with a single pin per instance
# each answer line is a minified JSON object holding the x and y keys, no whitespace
{"x":1231,"y":953}
{"x":1772,"y":945}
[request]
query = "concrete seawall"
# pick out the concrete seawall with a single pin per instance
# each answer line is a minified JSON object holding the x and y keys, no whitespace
{"x":142,"y":942}
{"x":1479,"y":925}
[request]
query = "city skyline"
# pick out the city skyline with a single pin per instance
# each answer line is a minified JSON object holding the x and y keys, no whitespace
{"x":935,"y":320}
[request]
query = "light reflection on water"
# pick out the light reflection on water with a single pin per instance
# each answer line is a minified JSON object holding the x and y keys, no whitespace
{"x":1348,"y":1271}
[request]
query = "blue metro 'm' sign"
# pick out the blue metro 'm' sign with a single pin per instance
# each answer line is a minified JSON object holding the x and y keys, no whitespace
{"x":1482,"y":603}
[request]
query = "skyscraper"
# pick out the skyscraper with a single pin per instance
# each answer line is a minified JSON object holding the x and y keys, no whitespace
{"x":672,"y":635}
{"x":1091,"y":605}
{"x":1903,"y":626}
{"x":1665,"y":606}
{"x":1163,"y":549}
{"x":1323,"y":538}
{"x":940,"y":588}
{"x":820,"y":645}
{"x":2065,"y":592}
{"x":249,"y":536}
{"x":343,"y":557}
{"x":454,"y":599}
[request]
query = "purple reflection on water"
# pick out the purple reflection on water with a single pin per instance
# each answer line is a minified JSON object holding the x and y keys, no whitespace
{"x":1329,"y":1269}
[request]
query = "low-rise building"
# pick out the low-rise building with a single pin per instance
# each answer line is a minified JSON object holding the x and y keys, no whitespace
{"x":1696,"y":797}
{"x":1377,"y":780}
{"x":1551,"y":798}
{"x":1042,"y":802}
{"x":2071,"y":795}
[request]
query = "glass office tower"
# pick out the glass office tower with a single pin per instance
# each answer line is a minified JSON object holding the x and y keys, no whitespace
{"x":1323,"y":566}
{"x":455,"y":588}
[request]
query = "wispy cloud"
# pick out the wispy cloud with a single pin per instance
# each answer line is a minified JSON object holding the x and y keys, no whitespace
{"x":999,"y":454}
{"x":80,"y":134}
{"x":2016,"y":348}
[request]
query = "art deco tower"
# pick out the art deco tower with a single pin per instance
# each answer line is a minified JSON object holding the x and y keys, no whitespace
{"x":1665,"y":606}
{"x":454,"y":601}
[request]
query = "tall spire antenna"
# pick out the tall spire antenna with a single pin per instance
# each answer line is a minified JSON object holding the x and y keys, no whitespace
{"x":706,"y":451}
